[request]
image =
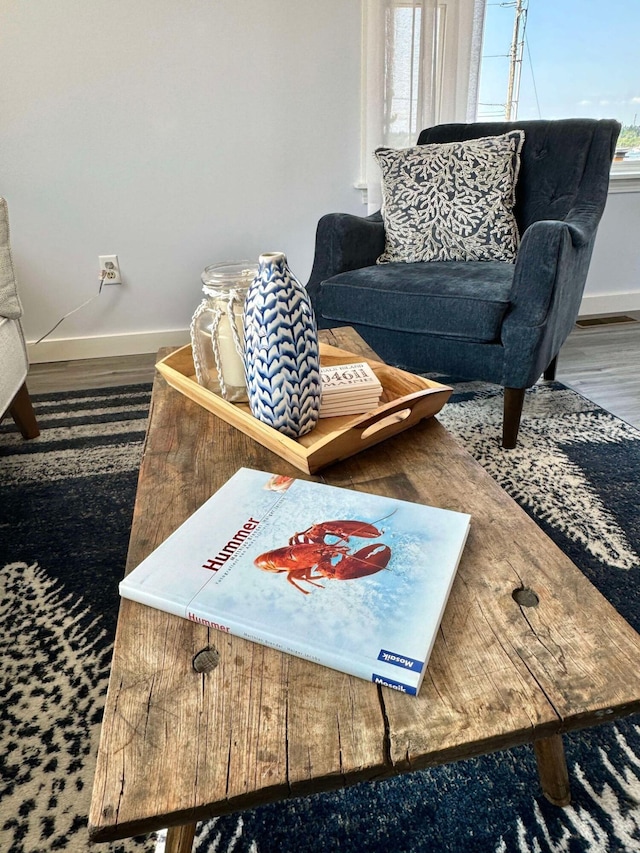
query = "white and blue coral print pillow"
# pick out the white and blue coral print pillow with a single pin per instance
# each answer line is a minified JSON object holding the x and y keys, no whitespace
{"x":451,"y":201}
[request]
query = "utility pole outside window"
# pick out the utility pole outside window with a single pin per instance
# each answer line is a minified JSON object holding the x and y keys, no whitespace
{"x":515,"y":60}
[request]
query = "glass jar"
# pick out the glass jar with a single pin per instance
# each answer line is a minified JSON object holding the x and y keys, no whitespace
{"x":217,"y":337}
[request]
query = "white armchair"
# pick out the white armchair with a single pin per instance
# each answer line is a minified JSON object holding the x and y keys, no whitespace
{"x":14,"y":396}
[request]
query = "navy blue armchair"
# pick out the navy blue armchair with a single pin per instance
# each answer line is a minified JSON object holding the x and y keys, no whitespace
{"x":499,"y":322}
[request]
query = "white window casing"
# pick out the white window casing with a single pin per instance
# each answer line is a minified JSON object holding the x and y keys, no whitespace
{"x":420,"y":66}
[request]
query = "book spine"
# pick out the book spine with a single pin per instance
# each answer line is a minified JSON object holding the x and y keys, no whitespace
{"x":134,"y":593}
{"x":376,"y":671}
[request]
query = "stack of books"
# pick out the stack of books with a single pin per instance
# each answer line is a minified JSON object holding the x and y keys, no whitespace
{"x":348,"y":389}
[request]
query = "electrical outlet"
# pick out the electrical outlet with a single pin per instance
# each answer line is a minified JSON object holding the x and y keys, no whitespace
{"x":111,"y":268}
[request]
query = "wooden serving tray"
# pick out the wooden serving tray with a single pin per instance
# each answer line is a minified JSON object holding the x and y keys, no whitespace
{"x":406,"y":399}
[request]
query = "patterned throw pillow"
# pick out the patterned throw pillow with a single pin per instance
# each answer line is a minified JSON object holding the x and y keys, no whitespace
{"x":451,"y":201}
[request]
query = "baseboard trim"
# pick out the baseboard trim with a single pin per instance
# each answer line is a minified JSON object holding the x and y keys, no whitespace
{"x":610,"y":303}
{"x":72,"y":349}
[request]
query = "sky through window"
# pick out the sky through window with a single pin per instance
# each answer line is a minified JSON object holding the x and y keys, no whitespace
{"x":580,"y":59}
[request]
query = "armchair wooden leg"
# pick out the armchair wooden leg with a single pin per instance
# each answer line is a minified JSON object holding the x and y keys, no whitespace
{"x":550,"y":372}
{"x":22,"y":413}
{"x":513,"y":400}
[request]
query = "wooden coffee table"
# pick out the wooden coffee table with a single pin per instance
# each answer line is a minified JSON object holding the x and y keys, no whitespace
{"x":180,"y":745}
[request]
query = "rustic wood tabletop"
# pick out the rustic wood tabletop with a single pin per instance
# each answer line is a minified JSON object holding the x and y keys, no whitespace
{"x":507,"y":668}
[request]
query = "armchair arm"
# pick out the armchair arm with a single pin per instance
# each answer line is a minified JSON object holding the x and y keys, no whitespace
{"x":551,"y":267}
{"x":582,"y":222}
{"x":549,"y":277}
{"x":344,"y":242}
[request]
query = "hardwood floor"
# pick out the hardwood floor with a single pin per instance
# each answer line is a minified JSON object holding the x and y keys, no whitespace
{"x":601,"y":362}
{"x":91,"y":373}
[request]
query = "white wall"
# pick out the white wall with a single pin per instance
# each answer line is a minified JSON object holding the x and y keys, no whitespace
{"x":173,"y":133}
{"x":613,"y":283}
{"x":178,"y":133}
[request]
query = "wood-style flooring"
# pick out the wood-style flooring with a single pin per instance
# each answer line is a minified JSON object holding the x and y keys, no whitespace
{"x":90,"y":373}
{"x":601,"y":362}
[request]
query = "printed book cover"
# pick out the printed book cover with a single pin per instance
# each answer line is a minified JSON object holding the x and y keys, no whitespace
{"x":354,"y":581}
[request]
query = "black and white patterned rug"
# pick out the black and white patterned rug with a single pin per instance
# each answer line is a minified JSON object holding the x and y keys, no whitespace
{"x":66,"y":501}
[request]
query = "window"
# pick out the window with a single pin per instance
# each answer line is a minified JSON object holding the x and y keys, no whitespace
{"x":552,"y":59}
{"x":415,"y":38}
{"x":433,"y":61}
{"x":420,"y":67}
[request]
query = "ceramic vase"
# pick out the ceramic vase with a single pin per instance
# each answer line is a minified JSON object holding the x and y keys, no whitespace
{"x":282,"y":361}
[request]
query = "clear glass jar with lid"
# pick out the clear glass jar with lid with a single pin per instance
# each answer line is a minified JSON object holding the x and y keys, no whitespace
{"x":217,"y":337}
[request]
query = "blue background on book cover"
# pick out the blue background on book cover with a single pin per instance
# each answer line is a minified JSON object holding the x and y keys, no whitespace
{"x":394,"y":609}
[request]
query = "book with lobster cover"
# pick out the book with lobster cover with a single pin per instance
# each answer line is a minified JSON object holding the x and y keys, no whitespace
{"x":354,"y":581}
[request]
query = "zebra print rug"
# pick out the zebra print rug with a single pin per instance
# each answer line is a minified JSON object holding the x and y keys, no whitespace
{"x":66,"y":503}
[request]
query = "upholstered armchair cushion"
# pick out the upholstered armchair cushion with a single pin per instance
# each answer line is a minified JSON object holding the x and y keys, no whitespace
{"x":14,"y":396}
{"x":13,"y":361}
{"x":466,"y":299}
{"x":9,"y":300}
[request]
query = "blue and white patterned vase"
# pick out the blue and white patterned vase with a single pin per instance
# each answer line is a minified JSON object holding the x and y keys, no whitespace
{"x":282,"y":361}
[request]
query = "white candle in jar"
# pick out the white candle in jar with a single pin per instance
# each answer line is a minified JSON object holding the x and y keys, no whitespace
{"x":231,"y":362}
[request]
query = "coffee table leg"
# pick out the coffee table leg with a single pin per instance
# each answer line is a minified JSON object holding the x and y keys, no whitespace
{"x":552,"y":770}
{"x":180,"y":838}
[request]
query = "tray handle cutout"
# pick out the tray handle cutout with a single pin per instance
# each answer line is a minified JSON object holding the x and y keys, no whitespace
{"x":390,"y":420}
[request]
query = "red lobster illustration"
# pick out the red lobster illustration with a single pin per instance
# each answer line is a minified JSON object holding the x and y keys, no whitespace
{"x":309,"y":551}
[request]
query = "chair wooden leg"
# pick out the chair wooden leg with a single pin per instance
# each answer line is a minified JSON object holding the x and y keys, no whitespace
{"x":22,"y":413}
{"x":513,"y":400}
{"x":550,"y":372}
